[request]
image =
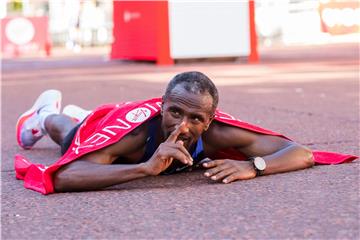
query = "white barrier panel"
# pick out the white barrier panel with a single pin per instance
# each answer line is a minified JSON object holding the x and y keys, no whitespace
{"x":208,"y":29}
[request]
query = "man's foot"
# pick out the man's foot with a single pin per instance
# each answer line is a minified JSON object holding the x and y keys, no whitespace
{"x":30,"y":125}
{"x":75,"y":112}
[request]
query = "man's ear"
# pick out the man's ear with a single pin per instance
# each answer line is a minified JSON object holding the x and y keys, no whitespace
{"x":210,"y":121}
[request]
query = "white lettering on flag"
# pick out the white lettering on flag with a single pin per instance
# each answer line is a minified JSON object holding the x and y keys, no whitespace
{"x":125,"y":126}
{"x":99,"y":137}
{"x":152,"y":107}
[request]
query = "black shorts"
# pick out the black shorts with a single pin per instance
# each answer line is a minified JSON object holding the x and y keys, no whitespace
{"x":68,"y":139}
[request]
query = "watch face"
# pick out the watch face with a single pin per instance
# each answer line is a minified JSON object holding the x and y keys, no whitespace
{"x":260,"y":163}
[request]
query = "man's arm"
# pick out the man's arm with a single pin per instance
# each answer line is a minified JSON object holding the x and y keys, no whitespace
{"x":280,"y":155}
{"x":85,"y":175}
{"x":95,"y":171}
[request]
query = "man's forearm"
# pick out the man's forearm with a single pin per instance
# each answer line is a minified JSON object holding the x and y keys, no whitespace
{"x":293,"y":157}
{"x":84,"y":175}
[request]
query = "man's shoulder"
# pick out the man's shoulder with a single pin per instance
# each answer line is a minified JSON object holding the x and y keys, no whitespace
{"x":214,"y":132}
{"x":217,"y":127}
{"x":222,"y":135}
{"x":130,"y":144}
{"x":139,"y":134}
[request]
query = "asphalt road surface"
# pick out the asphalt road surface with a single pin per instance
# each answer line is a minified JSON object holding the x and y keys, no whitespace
{"x":310,"y":94}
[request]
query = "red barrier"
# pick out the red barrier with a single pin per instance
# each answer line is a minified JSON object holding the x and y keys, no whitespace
{"x":159,"y":30}
{"x":23,"y":35}
{"x":254,"y":56}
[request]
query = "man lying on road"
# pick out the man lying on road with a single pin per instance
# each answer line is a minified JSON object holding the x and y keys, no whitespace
{"x":120,"y":143}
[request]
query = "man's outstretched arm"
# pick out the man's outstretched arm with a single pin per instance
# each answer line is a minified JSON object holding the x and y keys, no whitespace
{"x":84,"y":175}
{"x":95,"y":171}
{"x":280,"y":155}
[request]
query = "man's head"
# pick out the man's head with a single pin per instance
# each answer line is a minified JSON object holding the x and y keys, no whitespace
{"x":196,"y":83}
{"x":191,"y":98}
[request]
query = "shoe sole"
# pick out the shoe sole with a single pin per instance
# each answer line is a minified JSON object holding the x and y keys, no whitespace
{"x":29,"y":113}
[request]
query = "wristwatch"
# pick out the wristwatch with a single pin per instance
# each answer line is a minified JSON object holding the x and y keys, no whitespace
{"x":259,"y":165}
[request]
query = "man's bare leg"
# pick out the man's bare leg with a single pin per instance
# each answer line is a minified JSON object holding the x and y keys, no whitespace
{"x":58,"y":126}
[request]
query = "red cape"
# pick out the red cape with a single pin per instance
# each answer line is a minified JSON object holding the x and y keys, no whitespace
{"x":109,"y":123}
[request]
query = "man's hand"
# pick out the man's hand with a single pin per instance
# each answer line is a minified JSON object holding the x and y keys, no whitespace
{"x":168,"y":151}
{"x":229,"y":170}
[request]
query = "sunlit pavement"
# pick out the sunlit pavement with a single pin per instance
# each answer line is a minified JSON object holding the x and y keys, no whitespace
{"x":310,"y":94}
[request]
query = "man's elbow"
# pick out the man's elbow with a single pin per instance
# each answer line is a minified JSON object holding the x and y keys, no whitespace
{"x":308,"y":159}
{"x":61,"y":181}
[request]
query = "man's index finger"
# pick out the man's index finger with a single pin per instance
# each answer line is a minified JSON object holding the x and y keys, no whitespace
{"x":174,"y":134}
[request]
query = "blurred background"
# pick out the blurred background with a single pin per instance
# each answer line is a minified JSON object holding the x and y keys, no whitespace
{"x":55,"y":27}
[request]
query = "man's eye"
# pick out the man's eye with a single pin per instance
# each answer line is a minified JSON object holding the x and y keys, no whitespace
{"x":175,"y":112}
{"x":196,"y":120}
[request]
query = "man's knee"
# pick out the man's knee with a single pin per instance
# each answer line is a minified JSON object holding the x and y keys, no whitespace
{"x":59,"y":124}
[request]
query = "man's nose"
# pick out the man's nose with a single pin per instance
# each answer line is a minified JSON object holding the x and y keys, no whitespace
{"x":185,"y":121}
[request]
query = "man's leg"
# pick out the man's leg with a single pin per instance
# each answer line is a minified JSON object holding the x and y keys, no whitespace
{"x":58,"y":126}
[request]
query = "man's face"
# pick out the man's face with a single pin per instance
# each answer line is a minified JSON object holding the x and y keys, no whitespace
{"x":194,"y":110}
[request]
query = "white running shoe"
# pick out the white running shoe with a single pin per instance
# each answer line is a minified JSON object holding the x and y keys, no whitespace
{"x":30,"y":125}
{"x":75,"y":112}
